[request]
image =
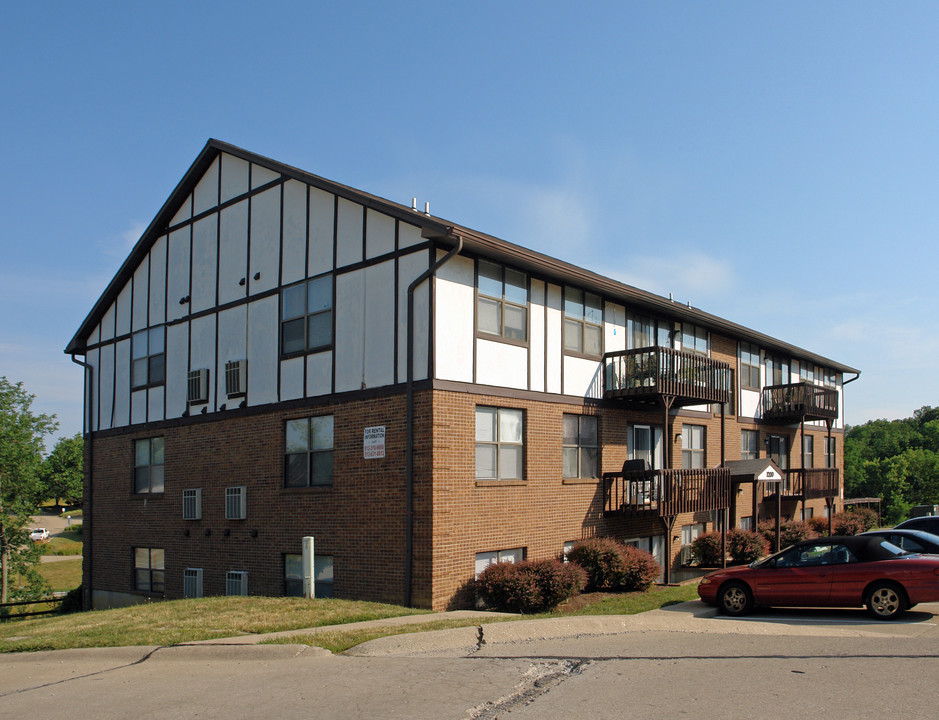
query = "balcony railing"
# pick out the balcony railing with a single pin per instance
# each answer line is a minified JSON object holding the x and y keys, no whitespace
{"x":663,"y":493}
{"x":799,"y":401}
{"x":647,"y":373}
{"x":811,"y":483}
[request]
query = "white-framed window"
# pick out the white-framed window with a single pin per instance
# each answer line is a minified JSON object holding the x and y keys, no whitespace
{"x":777,"y":371}
{"x":500,"y":446}
{"x":236,"y":582}
{"x":308,"y":461}
{"x":148,"y":465}
{"x":149,"y":566}
{"x":690,"y":532}
{"x":749,"y":366}
{"x":583,"y":323}
{"x":306,"y":316}
{"x":148,"y":364}
{"x":580,"y":446}
{"x":485,"y":559}
{"x":808,"y":450}
{"x":694,"y":338}
{"x":192,"y":504}
{"x":749,"y":444}
{"x":192,"y":582}
{"x":693,"y":447}
{"x":502,"y":302}
{"x":236,"y":502}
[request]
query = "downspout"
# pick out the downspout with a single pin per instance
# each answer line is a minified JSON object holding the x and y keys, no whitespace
{"x":87,"y":526}
{"x":409,"y":419}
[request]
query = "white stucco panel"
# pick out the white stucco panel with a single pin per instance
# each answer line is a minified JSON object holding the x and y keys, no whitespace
{"x":177,"y":279}
{"x":537,"y":335}
{"x":107,"y":323}
{"x":350,"y":331}
{"x":204,"y":263}
{"x":582,"y":377}
{"x":379,"y":234}
{"x":265,"y":241}
{"x":104,"y":372}
{"x":233,"y":252}
{"x":177,"y":369}
{"x":263,"y":351}
{"x":380,"y":324}
{"x":749,"y":404}
{"x":234,"y":177}
{"x":322,"y":213}
{"x":408,"y":235}
{"x":121,"y":384}
{"x":261,"y":175}
{"x":614,"y":327}
{"x":184,"y":212}
{"x":232,"y":345}
{"x":158,"y":281}
{"x":553,"y":340}
{"x":348,"y":233}
{"x":293,"y":260}
{"x":141,"y":294}
{"x":410,"y":267}
{"x":205,"y":196}
{"x":202,"y":351}
{"x":139,"y":407}
{"x":454,"y":320}
{"x":155,"y":403}
{"x":291,"y":378}
{"x":122,"y":321}
{"x":501,"y":364}
{"x":319,"y":374}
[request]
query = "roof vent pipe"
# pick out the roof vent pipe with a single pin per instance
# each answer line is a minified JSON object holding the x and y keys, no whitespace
{"x":414,"y":204}
{"x":427,"y":208}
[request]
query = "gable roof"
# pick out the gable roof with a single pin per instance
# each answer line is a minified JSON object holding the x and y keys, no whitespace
{"x":441,"y":231}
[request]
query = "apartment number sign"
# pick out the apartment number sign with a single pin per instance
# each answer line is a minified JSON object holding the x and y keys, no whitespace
{"x":374,"y":442}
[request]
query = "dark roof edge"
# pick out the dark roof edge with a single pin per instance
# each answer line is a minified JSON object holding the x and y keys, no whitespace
{"x":438,"y":229}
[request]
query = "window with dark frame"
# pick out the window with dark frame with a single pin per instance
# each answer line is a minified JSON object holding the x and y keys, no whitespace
{"x":149,"y":566}
{"x":580,"y":446}
{"x":500,"y":447}
{"x":692,"y":447}
{"x":306,"y":316}
{"x":502,"y":302}
{"x":308,"y":459}
{"x":749,"y":445}
{"x":808,"y":450}
{"x":148,"y":465}
{"x":830,"y":452}
{"x":694,"y":338}
{"x":749,"y":366}
{"x":148,"y":364}
{"x":583,"y":322}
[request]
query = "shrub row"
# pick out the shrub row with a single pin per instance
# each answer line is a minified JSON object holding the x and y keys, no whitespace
{"x":539,"y":585}
{"x":743,"y":546}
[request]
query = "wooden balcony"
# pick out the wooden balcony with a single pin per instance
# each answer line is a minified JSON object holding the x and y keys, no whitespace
{"x":646,"y":374}
{"x":664,"y":493}
{"x":811,"y":483}
{"x":788,"y":404}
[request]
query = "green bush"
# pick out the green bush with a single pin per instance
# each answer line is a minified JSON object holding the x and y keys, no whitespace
{"x":707,"y":549}
{"x":866,"y":515}
{"x":72,"y":602}
{"x":529,"y":586}
{"x":613,"y":566}
{"x":745,"y":546}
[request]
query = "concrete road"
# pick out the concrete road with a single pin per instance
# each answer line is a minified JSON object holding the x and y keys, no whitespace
{"x":678,"y":661}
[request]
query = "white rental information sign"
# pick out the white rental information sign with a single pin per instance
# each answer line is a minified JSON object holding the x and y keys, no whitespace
{"x":374,"y":442}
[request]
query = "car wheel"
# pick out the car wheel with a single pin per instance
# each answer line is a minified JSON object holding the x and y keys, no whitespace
{"x":735,"y":599}
{"x":885,"y":601}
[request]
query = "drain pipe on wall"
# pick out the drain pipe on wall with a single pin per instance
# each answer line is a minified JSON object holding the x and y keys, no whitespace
{"x":409,"y":418}
{"x":87,"y":525}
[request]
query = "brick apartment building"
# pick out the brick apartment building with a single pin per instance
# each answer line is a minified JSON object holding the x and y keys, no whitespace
{"x":283,"y":357}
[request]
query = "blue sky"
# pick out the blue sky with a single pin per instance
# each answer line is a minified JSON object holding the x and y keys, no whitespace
{"x":776,"y":164}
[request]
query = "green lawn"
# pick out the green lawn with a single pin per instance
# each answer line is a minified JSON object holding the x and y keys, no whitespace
{"x":68,"y":542}
{"x":178,"y":621}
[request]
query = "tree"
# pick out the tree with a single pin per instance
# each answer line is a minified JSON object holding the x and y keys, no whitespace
{"x":61,"y":476}
{"x":21,"y":449}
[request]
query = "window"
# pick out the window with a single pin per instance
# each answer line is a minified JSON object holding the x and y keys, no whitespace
{"x":322,"y":576}
{"x":808,"y":513}
{"x":777,"y":371}
{"x":808,"y":451}
{"x":749,"y":366}
{"x":807,"y":372}
{"x":306,"y":316}
{"x":485,"y":559}
{"x":583,"y":322}
{"x":829,"y":377}
{"x":778,"y":451}
{"x":236,"y":582}
{"x":749,"y":445}
{"x":694,"y":338}
{"x":148,"y":570}
{"x":746,"y":523}
{"x":309,"y":452}
{"x":692,"y":446}
{"x":829,"y":452}
{"x":502,"y":302}
{"x":192,"y":582}
{"x":236,"y":503}
{"x":499,"y":444}
{"x":148,"y":465}
{"x":689,"y":533}
{"x":192,"y":504}
{"x":566,"y":549}
{"x":580,"y":446}
{"x":149,"y":363}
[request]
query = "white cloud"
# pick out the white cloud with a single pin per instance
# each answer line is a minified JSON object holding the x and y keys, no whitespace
{"x":689,"y":276}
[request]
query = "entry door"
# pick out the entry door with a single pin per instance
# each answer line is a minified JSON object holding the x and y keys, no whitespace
{"x":647,"y":445}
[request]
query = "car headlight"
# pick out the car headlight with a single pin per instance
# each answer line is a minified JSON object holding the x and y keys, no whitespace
{"x":705,"y":581}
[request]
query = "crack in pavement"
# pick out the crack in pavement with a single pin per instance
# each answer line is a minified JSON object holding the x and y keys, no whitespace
{"x":537,"y":680}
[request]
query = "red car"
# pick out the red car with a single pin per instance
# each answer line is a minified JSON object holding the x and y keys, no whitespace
{"x":833,"y":572}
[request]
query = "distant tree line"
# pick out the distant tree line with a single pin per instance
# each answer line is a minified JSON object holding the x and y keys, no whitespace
{"x":896,"y":460}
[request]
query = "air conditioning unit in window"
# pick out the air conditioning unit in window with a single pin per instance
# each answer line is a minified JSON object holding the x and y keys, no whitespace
{"x":198,"y":387}
{"x":685,"y":558}
{"x":236,"y":378}
{"x":236,"y":583}
{"x":192,"y":504}
{"x":236,"y":503}
{"x":192,"y":582}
